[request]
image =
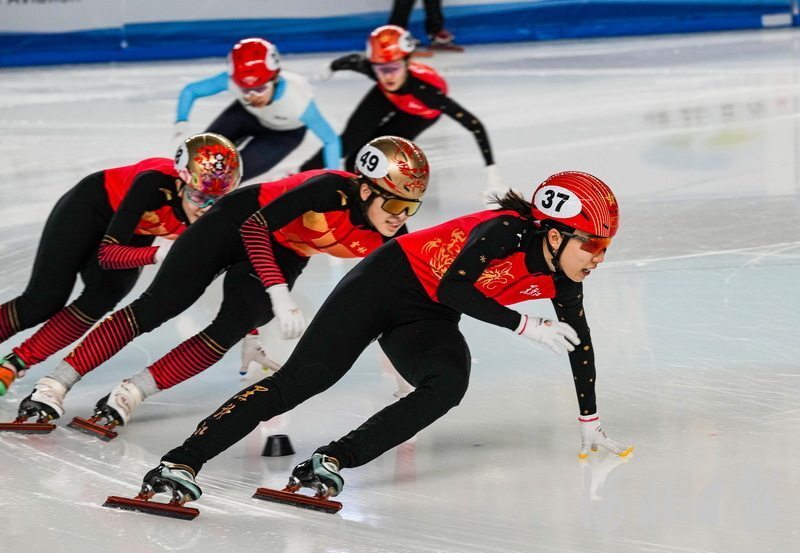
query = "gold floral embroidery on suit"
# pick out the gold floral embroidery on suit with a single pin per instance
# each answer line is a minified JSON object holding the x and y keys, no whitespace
{"x":498,"y":275}
{"x":443,"y":254}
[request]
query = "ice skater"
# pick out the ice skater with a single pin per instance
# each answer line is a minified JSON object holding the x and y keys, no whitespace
{"x":408,"y":98}
{"x":103,"y":230}
{"x":410,"y":295}
{"x":440,"y":38}
{"x":261,"y":237}
{"x":272,"y":110}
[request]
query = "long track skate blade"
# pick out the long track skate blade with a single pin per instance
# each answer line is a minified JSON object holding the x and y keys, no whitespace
{"x":87,"y":426}
{"x":151,"y":507}
{"x":27,"y":427}
{"x":298,"y":500}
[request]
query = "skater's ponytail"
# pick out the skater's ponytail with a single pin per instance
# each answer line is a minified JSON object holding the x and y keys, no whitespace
{"x":513,"y":201}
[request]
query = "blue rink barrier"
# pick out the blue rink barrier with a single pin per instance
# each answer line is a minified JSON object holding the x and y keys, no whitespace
{"x":473,"y":24}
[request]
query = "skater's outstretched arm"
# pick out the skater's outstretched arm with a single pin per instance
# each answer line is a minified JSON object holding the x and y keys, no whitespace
{"x":150,"y":190}
{"x":437,"y":99}
{"x":354,"y":62}
{"x":332,"y":146}
{"x":568,"y":304}
{"x":199,"y":89}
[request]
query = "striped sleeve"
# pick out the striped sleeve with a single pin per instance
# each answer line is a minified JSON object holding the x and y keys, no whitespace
{"x":258,"y":243}
{"x":115,"y":256}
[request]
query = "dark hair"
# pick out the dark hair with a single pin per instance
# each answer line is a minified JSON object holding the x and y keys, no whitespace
{"x":513,"y":201}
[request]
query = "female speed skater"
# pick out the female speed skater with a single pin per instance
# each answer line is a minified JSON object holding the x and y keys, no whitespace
{"x":408,"y":97}
{"x":261,"y":236}
{"x":410,"y":295}
{"x":272,"y":110}
{"x":102,"y":230}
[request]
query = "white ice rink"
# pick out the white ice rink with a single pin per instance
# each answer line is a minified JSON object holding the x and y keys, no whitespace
{"x":694,"y":317}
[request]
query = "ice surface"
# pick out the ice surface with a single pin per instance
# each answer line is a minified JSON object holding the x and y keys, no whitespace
{"x":694,"y":317}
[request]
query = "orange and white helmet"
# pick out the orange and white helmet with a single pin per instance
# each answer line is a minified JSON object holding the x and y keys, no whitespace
{"x":254,"y":62}
{"x":395,"y":165}
{"x":577,"y":200}
{"x":389,"y":43}
{"x":209,"y":163}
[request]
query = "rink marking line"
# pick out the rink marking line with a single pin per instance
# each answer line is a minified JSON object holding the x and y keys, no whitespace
{"x":777,"y":248}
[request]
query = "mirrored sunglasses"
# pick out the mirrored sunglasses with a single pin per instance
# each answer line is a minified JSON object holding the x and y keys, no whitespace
{"x":395,"y":205}
{"x":592,"y":244}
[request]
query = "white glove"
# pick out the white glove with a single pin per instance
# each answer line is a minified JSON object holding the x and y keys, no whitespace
{"x":592,"y":436}
{"x":325,"y":73}
{"x":252,"y":352}
{"x":163,"y":250}
{"x":286,"y":311}
{"x":494,"y":184}
{"x":556,"y":335}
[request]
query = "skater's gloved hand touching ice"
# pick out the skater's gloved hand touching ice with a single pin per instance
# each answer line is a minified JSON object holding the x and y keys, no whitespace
{"x":558,"y":336}
{"x":252,"y":352}
{"x":286,"y":311}
{"x":593,"y":436}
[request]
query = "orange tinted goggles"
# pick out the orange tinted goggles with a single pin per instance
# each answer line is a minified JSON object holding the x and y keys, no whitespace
{"x":395,"y":205}
{"x":592,"y":244}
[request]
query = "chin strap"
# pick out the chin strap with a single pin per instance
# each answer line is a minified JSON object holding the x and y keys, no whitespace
{"x":363,"y":205}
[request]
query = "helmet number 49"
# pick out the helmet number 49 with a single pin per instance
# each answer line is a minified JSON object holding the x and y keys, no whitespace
{"x":372,"y":162}
{"x":369,"y":161}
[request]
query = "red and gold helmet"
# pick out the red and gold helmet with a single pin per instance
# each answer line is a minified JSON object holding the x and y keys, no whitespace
{"x":395,"y":165}
{"x":254,"y":62}
{"x":389,"y":43}
{"x":209,"y":163}
{"x":577,"y":200}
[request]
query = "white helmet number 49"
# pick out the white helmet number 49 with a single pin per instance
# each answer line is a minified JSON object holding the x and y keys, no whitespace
{"x":372,"y":163}
{"x":557,"y":202}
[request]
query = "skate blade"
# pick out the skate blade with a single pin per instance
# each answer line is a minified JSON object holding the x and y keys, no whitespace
{"x":27,"y":427}
{"x":172,"y":510}
{"x":298,"y":500}
{"x":89,"y":426}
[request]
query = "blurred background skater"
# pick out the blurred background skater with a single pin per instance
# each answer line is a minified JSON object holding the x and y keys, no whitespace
{"x":439,"y":37}
{"x":103,"y":230}
{"x":261,"y":238}
{"x":272,"y":110}
{"x":408,"y":97}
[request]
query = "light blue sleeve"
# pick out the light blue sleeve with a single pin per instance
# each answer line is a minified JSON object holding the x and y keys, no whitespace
{"x":314,"y":120}
{"x":198,"y":89}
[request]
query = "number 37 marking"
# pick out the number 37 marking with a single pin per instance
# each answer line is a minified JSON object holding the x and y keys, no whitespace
{"x":550,"y":195}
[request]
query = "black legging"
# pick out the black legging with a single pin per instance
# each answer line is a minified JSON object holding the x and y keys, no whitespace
{"x":67,"y":248}
{"x":380,"y":297}
{"x":266,"y":148}
{"x":434,"y":20}
{"x":374,"y":116}
{"x":203,"y":251}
